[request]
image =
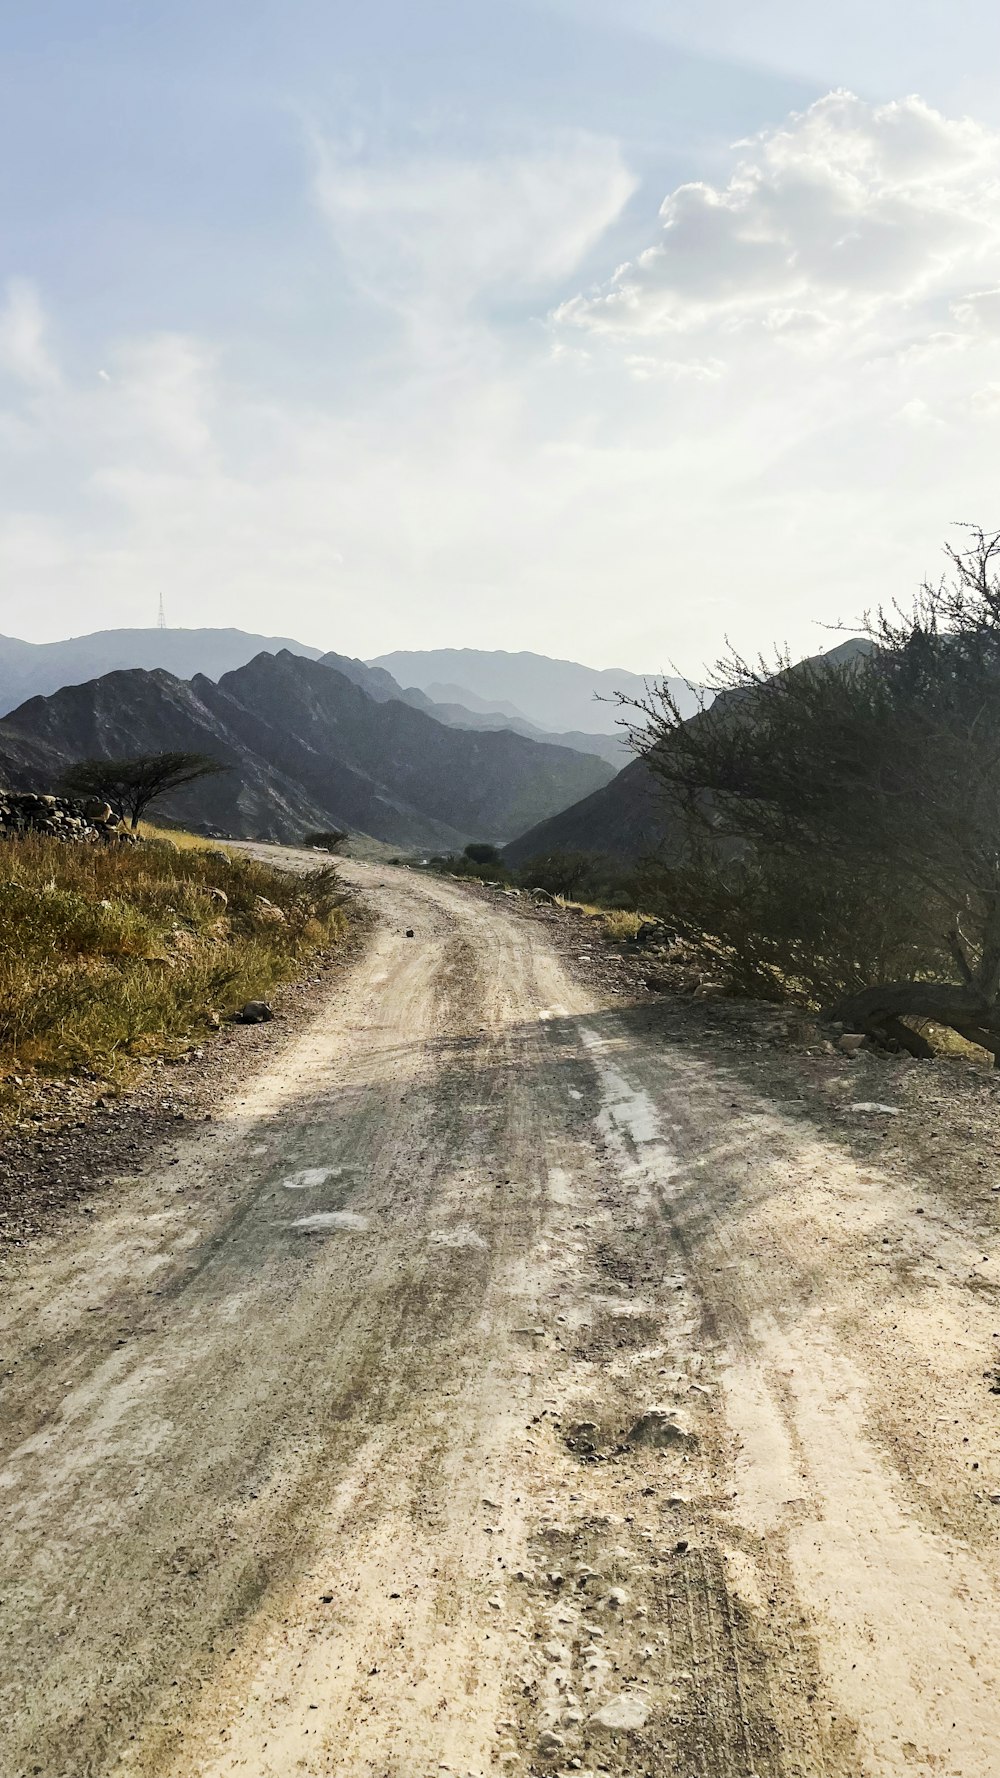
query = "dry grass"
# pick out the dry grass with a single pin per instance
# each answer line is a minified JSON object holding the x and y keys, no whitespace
{"x":108,"y":952}
{"x":619,"y":923}
{"x":179,"y":837}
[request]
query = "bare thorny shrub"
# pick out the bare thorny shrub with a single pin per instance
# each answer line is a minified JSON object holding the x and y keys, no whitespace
{"x":835,"y":825}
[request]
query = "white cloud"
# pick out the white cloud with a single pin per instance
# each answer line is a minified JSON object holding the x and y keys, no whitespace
{"x":815,"y":344}
{"x":978,"y":311}
{"x":440,"y":233}
{"x":769,"y":417}
{"x":24,"y":352}
{"x":848,"y":217}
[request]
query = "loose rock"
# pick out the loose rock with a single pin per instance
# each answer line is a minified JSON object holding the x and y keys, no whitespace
{"x":61,"y":816}
{"x":255,"y":1012}
{"x":658,"y":1431}
{"x":626,"y":1711}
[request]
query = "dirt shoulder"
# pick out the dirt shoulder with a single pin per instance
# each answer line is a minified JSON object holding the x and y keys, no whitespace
{"x":75,"y":1135}
{"x":939,"y":1118}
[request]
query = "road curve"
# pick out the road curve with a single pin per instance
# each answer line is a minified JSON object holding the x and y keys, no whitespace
{"x":494,"y":1389}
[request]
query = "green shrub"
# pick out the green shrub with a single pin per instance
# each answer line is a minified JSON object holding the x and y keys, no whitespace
{"x":328,"y":839}
{"x":462,"y":865}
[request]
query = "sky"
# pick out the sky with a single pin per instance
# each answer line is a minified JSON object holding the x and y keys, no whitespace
{"x":605,"y":328}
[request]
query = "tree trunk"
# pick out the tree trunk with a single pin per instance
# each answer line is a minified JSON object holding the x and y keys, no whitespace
{"x":962,"y":1008}
{"x":895,"y":1031}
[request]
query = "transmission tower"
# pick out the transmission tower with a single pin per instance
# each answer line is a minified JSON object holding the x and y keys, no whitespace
{"x":161,"y":621}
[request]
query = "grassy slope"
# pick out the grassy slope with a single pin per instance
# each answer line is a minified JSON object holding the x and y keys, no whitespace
{"x":107,"y":952}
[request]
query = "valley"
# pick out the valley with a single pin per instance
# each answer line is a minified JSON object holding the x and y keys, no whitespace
{"x":499,"y":891}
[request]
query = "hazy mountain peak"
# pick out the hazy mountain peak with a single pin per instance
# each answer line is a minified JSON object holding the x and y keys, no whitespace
{"x":552,"y":694}
{"x":32,"y":669}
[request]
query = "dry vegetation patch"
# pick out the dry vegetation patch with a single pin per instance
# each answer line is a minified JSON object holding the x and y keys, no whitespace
{"x":110,"y":952}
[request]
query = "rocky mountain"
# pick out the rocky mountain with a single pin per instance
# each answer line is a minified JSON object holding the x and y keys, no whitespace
{"x":613,"y":748}
{"x":379,"y":683}
{"x":622,"y":820}
{"x":553,"y":694}
{"x":460,"y":694}
{"x":149,"y":712}
{"x":629,"y":817}
{"x":33,"y":669}
{"x":307,"y":747}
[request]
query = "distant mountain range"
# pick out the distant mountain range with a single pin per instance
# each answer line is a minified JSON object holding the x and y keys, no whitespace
{"x":422,"y":749}
{"x":380,"y":684}
{"x":311,"y":744}
{"x":551,"y":694}
{"x":33,"y":669}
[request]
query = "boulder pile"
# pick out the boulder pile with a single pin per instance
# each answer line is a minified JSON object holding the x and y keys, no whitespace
{"x":61,"y":816}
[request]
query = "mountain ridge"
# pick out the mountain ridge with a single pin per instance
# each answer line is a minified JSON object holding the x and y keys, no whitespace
{"x":307,"y":747}
{"x":33,"y":669}
{"x":37,"y":669}
{"x":380,"y":684}
{"x":553,"y":694}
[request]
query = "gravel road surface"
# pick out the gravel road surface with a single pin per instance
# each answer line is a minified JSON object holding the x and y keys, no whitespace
{"x":493,"y":1389}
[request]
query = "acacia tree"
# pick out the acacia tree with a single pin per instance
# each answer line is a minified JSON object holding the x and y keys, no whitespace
{"x":562,"y":873}
{"x":326,"y":839}
{"x":864,"y":788}
{"x":131,"y":785}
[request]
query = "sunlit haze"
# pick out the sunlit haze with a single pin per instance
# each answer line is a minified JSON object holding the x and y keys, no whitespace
{"x":600,"y":330}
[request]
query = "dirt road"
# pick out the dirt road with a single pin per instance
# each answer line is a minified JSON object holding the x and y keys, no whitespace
{"x":492,"y":1388}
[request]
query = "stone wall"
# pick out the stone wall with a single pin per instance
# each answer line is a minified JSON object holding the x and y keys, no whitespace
{"x":61,"y":816}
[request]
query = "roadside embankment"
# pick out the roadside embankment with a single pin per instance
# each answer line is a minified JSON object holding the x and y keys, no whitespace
{"x":114,"y":960}
{"x":937,"y":1117}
